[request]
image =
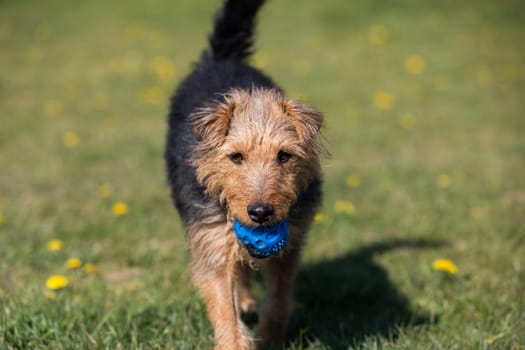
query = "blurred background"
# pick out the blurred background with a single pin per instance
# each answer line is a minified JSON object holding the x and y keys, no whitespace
{"x":421,"y":238}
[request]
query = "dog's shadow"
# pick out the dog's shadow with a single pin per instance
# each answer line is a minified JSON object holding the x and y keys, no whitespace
{"x":343,"y":301}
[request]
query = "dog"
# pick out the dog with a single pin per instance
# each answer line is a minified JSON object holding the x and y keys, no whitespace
{"x":243,"y":167}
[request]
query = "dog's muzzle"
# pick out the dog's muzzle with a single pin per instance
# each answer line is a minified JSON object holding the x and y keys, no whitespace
{"x":262,"y":241}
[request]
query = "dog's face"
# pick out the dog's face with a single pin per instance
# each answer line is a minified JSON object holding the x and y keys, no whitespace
{"x":256,"y":151}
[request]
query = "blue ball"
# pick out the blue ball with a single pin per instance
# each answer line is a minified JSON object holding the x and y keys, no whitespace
{"x":262,"y":241}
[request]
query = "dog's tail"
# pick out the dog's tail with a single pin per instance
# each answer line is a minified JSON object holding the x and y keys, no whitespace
{"x":232,"y":36}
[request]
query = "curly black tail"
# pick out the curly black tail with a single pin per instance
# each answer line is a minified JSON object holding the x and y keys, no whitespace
{"x":232,"y":36}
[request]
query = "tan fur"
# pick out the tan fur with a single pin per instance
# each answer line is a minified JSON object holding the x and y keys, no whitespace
{"x":258,"y":124}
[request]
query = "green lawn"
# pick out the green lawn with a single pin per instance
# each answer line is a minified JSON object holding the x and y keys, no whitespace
{"x":424,"y":119}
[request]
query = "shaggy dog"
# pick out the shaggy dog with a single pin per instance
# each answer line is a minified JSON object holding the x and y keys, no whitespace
{"x":243,"y":166}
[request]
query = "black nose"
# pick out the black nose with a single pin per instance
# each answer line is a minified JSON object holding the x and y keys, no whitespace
{"x":260,"y":212}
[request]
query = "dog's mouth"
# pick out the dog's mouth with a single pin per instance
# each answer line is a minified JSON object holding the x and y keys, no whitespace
{"x":262,"y":241}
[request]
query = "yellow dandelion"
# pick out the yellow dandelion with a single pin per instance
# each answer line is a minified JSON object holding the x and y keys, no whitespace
{"x":163,"y":69}
{"x":105,"y":190}
{"x":318,"y":218}
{"x":70,"y":139}
{"x":90,"y":268}
{"x":489,"y":341}
{"x":477,"y":212}
{"x":377,"y":35}
{"x":443,"y":181}
{"x":2,"y":219}
{"x":345,"y":207}
{"x":445,"y":265}
{"x":152,"y":96}
{"x":35,"y":55}
{"x":54,"y":245}
{"x":57,"y":282}
{"x":383,"y":100}
{"x":415,"y":64}
{"x":53,"y":108}
{"x":120,"y":209}
{"x":407,"y":121}
{"x":73,"y":263}
{"x":353,"y":181}
{"x":483,"y":76}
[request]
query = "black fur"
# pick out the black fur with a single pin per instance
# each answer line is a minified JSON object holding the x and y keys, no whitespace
{"x":221,"y":67}
{"x":232,"y":36}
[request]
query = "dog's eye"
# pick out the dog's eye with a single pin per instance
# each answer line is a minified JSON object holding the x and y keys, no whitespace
{"x":236,"y":157}
{"x":283,"y":157}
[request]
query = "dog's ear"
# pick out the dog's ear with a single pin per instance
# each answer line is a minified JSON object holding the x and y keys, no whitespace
{"x":211,"y":123}
{"x":308,"y":122}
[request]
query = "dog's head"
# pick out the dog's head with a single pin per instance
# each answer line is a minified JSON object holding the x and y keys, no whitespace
{"x":256,"y":151}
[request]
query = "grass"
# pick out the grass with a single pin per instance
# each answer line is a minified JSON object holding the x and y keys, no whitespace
{"x":441,"y":172}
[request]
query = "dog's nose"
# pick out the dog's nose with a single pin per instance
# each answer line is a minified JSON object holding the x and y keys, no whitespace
{"x":260,"y":212}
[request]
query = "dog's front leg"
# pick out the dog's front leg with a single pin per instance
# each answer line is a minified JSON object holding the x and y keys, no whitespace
{"x":245,"y":297}
{"x":215,"y":272}
{"x":219,"y":292}
{"x":279,"y":277}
